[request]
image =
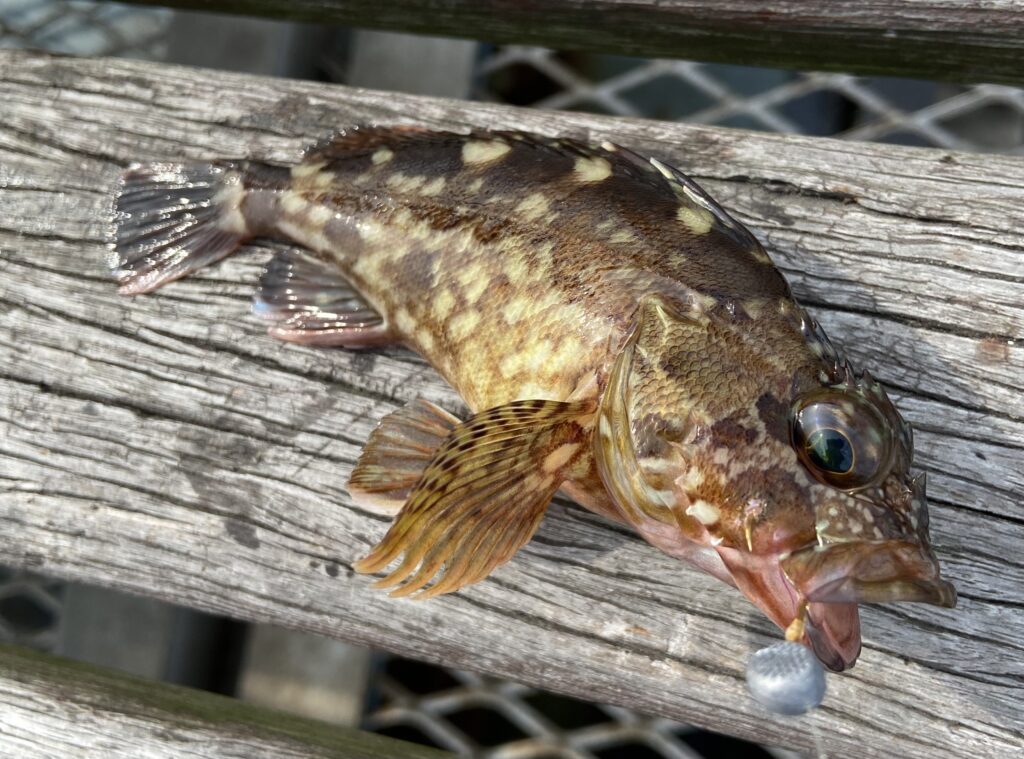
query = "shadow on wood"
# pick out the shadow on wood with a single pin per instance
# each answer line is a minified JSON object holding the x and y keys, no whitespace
{"x":51,"y":706}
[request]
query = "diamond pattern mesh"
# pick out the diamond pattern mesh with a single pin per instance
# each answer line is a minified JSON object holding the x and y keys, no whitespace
{"x":982,"y":117}
{"x":84,"y":28}
{"x":488,"y":718}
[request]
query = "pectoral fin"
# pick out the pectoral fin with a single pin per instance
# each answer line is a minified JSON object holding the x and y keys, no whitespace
{"x":482,"y":496}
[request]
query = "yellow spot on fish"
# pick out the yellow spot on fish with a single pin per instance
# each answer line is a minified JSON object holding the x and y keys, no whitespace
{"x":463,"y":324}
{"x":567,"y":352}
{"x":536,"y":482}
{"x":444,"y":302}
{"x":405,"y":183}
{"x":426,"y":340}
{"x":537,"y":355}
{"x":292,"y":202}
{"x":622,"y":237}
{"x":517,"y":309}
{"x":382,"y":155}
{"x":305,"y":170}
{"x":703,"y":512}
{"x":592,"y":169}
{"x":323,"y":179}
{"x":229,"y":198}
{"x":665,"y":170}
{"x":536,"y":391}
{"x":475,"y":185}
{"x":542,"y":259}
{"x":516,"y":269}
{"x":320,"y":214}
{"x":510,"y":365}
{"x":755,"y":307}
{"x":611,"y":147}
{"x":760,"y":255}
{"x":533,"y":206}
{"x":559,"y":457}
{"x":693,"y":479}
{"x":433,"y":187}
{"x":311,"y":238}
{"x":475,"y":288}
{"x":404,"y":321}
{"x":696,"y":219}
{"x":703,"y":302}
{"x":484,"y":151}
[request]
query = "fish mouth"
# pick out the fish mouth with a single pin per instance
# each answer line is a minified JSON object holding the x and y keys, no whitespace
{"x":832,"y":631}
{"x":868,"y":572}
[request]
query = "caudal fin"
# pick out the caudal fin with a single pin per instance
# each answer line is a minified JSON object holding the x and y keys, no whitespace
{"x":173,"y":218}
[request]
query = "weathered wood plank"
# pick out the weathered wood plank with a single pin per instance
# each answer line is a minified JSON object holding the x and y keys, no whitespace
{"x":54,"y":707}
{"x":980,"y":40}
{"x":165,"y":446}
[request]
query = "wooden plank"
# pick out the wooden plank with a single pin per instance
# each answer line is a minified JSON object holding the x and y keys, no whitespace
{"x":56,"y":707}
{"x":980,"y":40}
{"x":165,"y":446}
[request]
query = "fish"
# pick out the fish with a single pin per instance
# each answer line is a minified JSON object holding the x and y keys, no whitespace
{"x":616,"y":335}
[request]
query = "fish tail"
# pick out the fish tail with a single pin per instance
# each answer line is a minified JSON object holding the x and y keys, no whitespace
{"x":173,"y":218}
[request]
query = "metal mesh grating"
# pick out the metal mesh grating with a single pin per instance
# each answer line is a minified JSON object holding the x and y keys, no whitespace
{"x":84,"y":28}
{"x":982,"y":117}
{"x":487,"y":718}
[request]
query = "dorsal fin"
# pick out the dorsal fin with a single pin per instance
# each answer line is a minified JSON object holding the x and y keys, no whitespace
{"x":366,"y":139}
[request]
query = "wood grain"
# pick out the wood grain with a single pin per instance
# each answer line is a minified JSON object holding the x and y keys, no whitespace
{"x":53,"y":707}
{"x":979,"y":40}
{"x":165,"y":446}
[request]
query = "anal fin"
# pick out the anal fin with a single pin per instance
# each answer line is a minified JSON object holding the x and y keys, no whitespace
{"x":397,"y":453}
{"x":482,"y":496}
{"x":309,"y":302}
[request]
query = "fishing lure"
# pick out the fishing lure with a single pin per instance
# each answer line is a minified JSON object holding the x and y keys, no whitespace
{"x":617,"y":335}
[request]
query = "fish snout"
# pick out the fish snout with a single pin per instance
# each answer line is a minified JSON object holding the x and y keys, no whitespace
{"x":869,"y":572}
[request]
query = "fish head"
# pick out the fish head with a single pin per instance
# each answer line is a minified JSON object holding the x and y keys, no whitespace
{"x":777,"y":456}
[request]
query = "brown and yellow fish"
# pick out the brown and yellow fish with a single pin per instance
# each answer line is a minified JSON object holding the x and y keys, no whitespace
{"x":618,"y":336}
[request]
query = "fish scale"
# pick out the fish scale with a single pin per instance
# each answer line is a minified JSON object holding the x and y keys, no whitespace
{"x":617,"y":335}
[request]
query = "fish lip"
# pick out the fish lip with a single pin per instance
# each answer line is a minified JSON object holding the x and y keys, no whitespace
{"x":869,"y":572}
{"x":935,"y":591}
{"x":834,"y":639}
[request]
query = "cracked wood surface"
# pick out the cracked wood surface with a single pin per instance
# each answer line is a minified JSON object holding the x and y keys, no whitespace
{"x":53,"y":707}
{"x":980,"y":40}
{"x":165,"y":446}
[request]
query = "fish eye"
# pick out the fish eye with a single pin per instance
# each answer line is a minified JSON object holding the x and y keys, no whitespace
{"x":830,"y":450}
{"x":841,"y":439}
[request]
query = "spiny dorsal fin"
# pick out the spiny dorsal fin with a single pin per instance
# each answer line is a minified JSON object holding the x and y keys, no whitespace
{"x":482,"y":496}
{"x":699,"y":202}
{"x":309,"y":302}
{"x":366,"y":139}
{"x":397,"y":453}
